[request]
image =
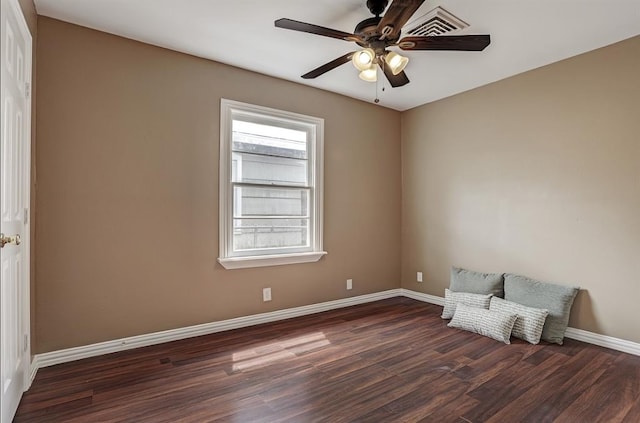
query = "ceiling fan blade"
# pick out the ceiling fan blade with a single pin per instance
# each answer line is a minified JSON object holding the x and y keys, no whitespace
{"x":397,"y":15}
{"x":395,"y":80}
{"x":328,"y":66}
{"x":446,"y":42}
{"x":315,"y":29}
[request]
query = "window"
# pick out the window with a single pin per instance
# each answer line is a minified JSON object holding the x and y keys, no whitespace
{"x":270,"y":186}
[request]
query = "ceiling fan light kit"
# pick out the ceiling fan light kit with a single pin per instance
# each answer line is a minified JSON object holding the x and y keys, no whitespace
{"x":366,"y":62}
{"x":376,"y":34}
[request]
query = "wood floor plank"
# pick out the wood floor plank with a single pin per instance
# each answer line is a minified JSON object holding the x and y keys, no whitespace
{"x":562,"y":388}
{"x":633,"y":415}
{"x":389,"y":361}
{"x":610,"y":397}
{"x":420,"y":402}
{"x":532,"y":390}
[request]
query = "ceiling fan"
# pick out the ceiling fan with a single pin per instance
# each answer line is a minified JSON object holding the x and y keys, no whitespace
{"x":376,"y":34}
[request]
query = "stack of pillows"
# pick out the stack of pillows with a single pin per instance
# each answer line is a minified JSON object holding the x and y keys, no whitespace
{"x":501,"y":305}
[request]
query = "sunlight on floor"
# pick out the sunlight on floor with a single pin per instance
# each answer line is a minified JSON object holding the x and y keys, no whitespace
{"x":282,"y":350}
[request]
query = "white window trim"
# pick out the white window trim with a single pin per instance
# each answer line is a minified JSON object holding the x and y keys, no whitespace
{"x":225,"y":198}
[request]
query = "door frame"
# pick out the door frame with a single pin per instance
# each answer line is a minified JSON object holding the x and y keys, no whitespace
{"x":25,"y":307}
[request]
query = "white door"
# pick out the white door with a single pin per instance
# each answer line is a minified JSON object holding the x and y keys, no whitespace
{"x":15,"y":162}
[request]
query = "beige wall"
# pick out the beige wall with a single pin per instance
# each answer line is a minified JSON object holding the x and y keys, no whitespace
{"x":128,"y":191}
{"x":538,"y":174}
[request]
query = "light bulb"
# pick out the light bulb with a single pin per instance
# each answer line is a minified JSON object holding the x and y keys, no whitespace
{"x":363,"y":59}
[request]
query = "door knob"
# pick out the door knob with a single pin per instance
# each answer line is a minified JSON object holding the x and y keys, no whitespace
{"x":9,"y":240}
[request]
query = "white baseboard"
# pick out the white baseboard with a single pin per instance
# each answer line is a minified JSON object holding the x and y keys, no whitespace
{"x":35,"y":365}
{"x":421,"y":296}
{"x":85,"y":351}
{"x":573,"y":333}
{"x":603,"y":341}
{"x":78,"y":353}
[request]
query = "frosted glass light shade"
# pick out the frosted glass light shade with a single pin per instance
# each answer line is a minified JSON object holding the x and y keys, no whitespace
{"x":396,"y":62}
{"x":369,"y":75}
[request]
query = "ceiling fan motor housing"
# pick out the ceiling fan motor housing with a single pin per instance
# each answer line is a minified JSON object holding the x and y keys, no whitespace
{"x":371,"y":38}
{"x":367,"y":28}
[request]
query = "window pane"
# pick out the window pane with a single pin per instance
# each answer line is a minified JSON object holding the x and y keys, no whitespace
{"x":268,"y":170}
{"x":257,"y":202}
{"x":251,"y":234}
{"x":269,"y":140}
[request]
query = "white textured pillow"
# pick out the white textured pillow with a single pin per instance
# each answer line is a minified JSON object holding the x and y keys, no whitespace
{"x":452,"y":298}
{"x":530,"y":320}
{"x":489,"y":323}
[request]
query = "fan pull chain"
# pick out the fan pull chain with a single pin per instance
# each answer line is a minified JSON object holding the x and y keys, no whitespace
{"x":377,"y":99}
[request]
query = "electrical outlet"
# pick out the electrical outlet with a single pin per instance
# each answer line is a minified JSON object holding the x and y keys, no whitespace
{"x":266,"y":294}
{"x":419,"y":277}
{"x":349,"y":283}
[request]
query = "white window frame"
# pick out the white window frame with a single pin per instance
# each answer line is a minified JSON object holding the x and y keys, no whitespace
{"x":315,"y":151}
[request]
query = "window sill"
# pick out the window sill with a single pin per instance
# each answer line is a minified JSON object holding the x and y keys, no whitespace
{"x":230,"y":263}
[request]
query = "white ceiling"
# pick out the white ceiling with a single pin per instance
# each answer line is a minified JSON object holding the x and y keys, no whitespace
{"x":525,"y":34}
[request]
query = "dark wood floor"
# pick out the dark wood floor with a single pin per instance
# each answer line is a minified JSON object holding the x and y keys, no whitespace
{"x":388,"y":361}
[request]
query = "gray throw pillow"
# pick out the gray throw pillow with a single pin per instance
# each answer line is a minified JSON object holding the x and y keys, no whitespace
{"x":451,"y":299}
{"x":557,"y":299}
{"x":494,"y":324}
{"x":530,"y":321}
{"x":463,"y":280}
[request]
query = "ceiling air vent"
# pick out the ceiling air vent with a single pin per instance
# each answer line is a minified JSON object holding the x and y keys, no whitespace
{"x":435,"y":22}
